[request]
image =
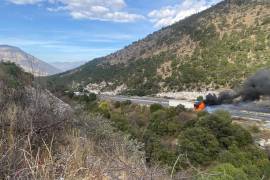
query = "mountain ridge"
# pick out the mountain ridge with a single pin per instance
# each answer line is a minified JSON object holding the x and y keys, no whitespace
{"x":188,"y":55}
{"x":28,"y":62}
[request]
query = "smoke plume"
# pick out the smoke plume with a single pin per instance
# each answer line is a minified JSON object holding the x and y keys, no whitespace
{"x":256,"y":86}
{"x":253,"y":88}
{"x":225,"y":97}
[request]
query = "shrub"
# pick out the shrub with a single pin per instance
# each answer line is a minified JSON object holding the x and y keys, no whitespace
{"x":254,"y":129}
{"x":200,"y":146}
{"x":104,"y":106}
{"x":117,"y":104}
{"x":126,"y":103}
{"x":220,"y":123}
{"x":225,"y":172}
{"x":70,"y":94}
{"x":252,"y":160}
{"x":155,"y":107}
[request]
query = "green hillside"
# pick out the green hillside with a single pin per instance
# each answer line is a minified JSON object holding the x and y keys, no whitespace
{"x":216,"y":48}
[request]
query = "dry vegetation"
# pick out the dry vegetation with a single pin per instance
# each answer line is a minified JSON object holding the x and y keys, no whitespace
{"x":38,"y":142}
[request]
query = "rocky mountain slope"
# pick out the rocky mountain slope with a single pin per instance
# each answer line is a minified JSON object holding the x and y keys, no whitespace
{"x":216,"y":48}
{"x":28,"y":62}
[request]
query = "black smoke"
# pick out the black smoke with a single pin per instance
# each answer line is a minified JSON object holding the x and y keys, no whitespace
{"x":253,"y":88}
{"x":256,"y":86}
{"x":225,"y":97}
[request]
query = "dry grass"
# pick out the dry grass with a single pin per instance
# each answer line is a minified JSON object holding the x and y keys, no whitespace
{"x":37,"y":143}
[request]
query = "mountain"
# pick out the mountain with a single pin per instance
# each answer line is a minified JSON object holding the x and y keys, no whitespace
{"x":28,"y":62}
{"x":216,"y":48}
{"x":65,"y":66}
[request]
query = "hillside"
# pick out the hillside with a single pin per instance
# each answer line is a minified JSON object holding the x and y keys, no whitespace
{"x":28,"y":62}
{"x":44,"y":138}
{"x":216,"y":48}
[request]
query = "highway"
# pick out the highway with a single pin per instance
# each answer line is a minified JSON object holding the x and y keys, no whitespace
{"x":137,"y":100}
{"x":240,"y":111}
{"x":249,"y":111}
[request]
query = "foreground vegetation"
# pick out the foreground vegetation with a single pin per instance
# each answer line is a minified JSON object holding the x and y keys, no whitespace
{"x":204,"y":146}
{"x":39,"y":140}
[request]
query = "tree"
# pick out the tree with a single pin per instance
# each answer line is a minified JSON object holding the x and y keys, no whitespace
{"x":200,"y":146}
{"x":220,"y":123}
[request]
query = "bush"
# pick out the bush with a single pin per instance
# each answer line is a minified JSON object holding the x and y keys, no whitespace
{"x":254,"y":129}
{"x":120,"y":122}
{"x":225,"y":172}
{"x":92,"y":97}
{"x":252,"y":160}
{"x":104,"y":106}
{"x":117,"y":104}
{"x":220,"y":124}
{"x":155,"y":107}
{"x":200,"y":146}
{"x":126,"y":103}
{"x":70,"y":94}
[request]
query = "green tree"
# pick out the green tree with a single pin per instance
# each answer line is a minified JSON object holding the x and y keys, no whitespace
{"x":220,"y":124}
{"x":200,"y":146}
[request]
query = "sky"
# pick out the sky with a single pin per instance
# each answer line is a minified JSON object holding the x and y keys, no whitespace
{"x":80,"y":30}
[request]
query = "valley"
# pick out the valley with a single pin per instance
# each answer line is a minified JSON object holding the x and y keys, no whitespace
{"x":190,"y":101}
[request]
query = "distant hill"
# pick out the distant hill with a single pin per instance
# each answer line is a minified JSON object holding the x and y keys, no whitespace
{"x":217,"y":48}
{"x":65,"y":66}
{"x":28,"y":62}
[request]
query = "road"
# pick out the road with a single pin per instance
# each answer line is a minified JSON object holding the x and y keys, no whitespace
{"x":240,"y":111}
{"x":249,"y":111}
{"x":137,"y":100}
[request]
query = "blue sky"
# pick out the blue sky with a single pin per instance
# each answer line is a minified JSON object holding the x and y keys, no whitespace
{"x":76,"y":30}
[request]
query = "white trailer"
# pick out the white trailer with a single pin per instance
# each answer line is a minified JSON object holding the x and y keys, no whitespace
{"x":186,"y":104}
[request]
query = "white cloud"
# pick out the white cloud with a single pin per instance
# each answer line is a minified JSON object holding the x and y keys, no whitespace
{"x":171,"y":14}
{"x":22,"y":2}
{"x":103,"y":10}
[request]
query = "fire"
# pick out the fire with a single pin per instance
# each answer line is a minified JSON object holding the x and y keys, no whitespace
{"x":199,"y":106}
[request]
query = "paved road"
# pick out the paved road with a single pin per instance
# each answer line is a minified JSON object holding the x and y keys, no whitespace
{"x":138,"y":100}
{"x":239,"y":111}
{"x":249,"y":111}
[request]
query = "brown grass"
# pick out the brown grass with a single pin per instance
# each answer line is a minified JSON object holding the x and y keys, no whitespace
{"x":38,"y":143}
